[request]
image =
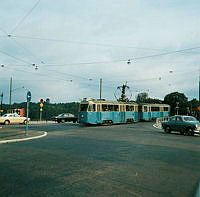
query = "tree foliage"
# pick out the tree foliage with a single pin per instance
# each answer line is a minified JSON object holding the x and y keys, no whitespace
{"x":141,"y":97}
{"x":49,"y":109}
{"x":178,"y":102}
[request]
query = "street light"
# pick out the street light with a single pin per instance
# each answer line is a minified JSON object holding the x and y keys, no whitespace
{"x":12,"y":90}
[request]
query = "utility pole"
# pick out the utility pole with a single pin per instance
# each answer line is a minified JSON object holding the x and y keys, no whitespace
{"x":100,"y":87}
{"x":1,"y":103}
{"x":10,"y":91}
{"x":199,"y":85}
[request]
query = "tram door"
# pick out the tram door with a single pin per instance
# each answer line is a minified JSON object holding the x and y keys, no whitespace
{"x":161,"y":112}
{"x":122,"y":113}
{"x":149,"y":114}
{"x":98,"y":113}
{"x":140,"y":117}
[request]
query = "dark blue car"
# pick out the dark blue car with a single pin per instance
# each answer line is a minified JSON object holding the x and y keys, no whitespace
{"x":186,"y":125}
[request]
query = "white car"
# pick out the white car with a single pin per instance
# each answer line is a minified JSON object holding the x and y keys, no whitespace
{"x":12,"y":118}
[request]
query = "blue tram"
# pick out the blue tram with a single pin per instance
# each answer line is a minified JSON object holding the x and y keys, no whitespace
{"x":116,"y":112}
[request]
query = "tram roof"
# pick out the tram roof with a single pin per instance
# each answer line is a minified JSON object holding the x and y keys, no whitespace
{"x":103,"y":101}
{"x":155,"y":104}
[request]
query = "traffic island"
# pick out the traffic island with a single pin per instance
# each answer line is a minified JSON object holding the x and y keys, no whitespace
{"x":8,"y":135}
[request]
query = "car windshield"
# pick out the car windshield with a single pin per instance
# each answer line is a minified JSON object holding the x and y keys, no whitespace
{"x":189,"y":119}
{"x":5,"y":115}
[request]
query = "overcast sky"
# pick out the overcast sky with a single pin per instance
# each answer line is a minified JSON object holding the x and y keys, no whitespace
{"x":61,"y":49}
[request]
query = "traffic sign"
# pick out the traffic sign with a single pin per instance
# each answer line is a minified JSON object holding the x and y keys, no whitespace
{"x":28,"y":96}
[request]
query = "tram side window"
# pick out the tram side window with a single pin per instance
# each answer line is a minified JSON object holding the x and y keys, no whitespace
{"x":116,"y":107}
{"x":104,"y":107}
{"x":128,"y":108}
{"x":84,"y":107}
{"x":166,"y":109}
{"x":145,"y":109}
{"x":132,"y":108}
{"x":155,"y":108}
{"x":110,"y":107}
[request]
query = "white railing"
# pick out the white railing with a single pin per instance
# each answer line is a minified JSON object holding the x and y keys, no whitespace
{"x":159,"y":120}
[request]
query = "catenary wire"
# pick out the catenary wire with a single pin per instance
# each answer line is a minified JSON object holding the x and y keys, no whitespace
{"x":28,"y":13}
{"x":16,"y":58}
{"x":82,"y":43}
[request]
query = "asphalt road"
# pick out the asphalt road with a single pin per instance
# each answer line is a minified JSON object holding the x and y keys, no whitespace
{"x":121,"y":160}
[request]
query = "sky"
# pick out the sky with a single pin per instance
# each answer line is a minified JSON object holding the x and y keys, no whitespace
{"x":60,"y":50}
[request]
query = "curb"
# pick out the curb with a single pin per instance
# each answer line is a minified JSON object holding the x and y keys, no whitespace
{"x":23,"y":139}
{"x":41,"y":122}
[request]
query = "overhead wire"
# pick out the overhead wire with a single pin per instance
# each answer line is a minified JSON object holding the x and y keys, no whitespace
{"x":16,"y":58}
{"x":126,"y":59}
{"x":27,"y":50}
{"x":82,"y":43}
{"x":117,"y":60}
{"x":5,"y":53}
{"x":26,"y":15}
{"x":41,"y":74}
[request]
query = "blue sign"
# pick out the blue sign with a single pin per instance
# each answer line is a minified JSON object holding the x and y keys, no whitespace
{"x":28,"y":96}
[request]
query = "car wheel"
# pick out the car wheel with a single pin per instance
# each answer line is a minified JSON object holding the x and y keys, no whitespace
{"x":62,"y":120}
{"x":25,"y":122}
{"x":7,"y":122}
{"x":182,"y":132}
{"x":190,"y":132}
{"x":167,"y":129}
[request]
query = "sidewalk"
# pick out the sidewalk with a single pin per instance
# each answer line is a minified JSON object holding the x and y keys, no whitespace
{"x":9,"y":135}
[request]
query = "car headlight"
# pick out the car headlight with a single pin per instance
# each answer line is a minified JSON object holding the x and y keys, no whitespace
{"x":197,"y":126}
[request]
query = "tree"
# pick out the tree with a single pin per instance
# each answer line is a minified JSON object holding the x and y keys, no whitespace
{"x":194,"y":108}
{"x":49,"y":109}
{"x":141,"y":97}
{"x":178,"y":102}
{"x":152,"y":100}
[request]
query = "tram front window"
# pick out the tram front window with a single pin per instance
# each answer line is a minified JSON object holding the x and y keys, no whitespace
{"x":84,"y":107}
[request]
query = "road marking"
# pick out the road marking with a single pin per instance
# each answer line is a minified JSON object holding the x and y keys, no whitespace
{"x":23,"y":139}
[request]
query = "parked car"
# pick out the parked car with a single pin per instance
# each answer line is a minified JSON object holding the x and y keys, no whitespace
{"x":187,"y":125}
{"x":65,"y":117}
{"x":11,"y":118}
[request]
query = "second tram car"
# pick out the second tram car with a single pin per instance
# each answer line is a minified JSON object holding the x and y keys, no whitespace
{"x":149,"y":112}
{"x":116,"y":112}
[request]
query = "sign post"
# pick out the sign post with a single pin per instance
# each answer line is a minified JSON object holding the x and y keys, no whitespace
{"x":28,"y":99}
{"x":41,"y":106}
